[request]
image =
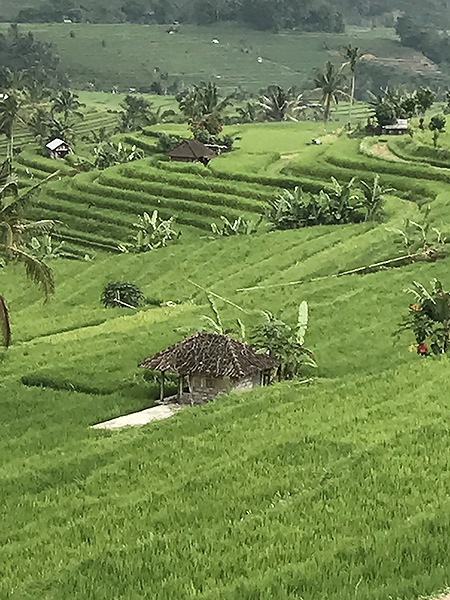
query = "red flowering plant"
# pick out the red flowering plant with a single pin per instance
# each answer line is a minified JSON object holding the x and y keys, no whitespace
{"x":429,"y":319}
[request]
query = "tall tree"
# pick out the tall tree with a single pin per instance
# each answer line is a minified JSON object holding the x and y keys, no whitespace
{"x":67,"y":104}
{"x":330,"y":83}
{"x":202,"y":100}
{"x":14,"y":230}
{"x":352,"y":56}
{"x":137,"y":113}
{"x":11,"y":104}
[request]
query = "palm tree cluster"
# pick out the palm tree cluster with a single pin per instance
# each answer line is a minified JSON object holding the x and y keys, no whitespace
{"x":278,"y":104}
{"x":59,"y":121}
{"x":137,"y":113}
{"x":203,"y":107}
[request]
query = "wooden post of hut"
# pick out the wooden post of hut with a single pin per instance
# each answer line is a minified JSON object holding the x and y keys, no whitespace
{"x":161,"y":393}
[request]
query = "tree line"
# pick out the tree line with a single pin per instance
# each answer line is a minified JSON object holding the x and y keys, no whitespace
{"x":312,"y":15}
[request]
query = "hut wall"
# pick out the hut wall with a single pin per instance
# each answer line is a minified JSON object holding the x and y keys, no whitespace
{"x":204,"y":389}
{"x":247,"y":383}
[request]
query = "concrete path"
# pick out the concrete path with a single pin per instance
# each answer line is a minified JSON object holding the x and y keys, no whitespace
{"x":140,"y":418}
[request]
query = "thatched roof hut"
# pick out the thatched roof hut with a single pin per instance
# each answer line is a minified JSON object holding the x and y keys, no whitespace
{"x":192,"y":151}
{"x":213,"y":363}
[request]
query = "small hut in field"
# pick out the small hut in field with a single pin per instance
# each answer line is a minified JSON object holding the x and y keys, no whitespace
{"x":211,"y":364}
{"x":192,"y":151}
{"x":398,"y":128}
{"x":58,"y":148}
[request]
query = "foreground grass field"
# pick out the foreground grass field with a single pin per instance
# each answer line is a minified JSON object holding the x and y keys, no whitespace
{"x":335,"y":487}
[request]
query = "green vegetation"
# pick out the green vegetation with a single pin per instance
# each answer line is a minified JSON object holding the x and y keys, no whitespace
{"x":286,"y":59}
{"x":122,"y":293}
{"x":332,"y":484}
{"x":429,"y":318}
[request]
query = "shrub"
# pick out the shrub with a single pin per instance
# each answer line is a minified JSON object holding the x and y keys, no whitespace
{"x":167,"y":141}
{"x":122,"y":293}
{"x":338,"y":205}
{"x":239,"y":226}
{"x":284,"y":342}
{"x":153,"y":232}
{"x":108,"y":154}
{"x":429,"y":318}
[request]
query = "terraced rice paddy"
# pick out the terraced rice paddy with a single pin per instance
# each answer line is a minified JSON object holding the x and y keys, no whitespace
{"x":336,"y":487}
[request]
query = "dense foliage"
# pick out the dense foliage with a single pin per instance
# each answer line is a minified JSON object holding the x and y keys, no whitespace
{"x":429,"y":318}
{"x":25,"y":60}
{"x":122,"y":293}
{"x":284,"y":342}
{"x":335,"y":205}
{"x":152,"y":232}
{"x":260,"y":14}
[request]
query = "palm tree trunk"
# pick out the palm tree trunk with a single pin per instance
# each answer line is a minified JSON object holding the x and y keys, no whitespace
{"x":327,"y":107}
{"x":352,"y":98}
{"x":5,"y":327}
{"x":11,"y":142}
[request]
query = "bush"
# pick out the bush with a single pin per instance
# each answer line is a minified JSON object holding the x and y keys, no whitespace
{"x":338,"y":205}
{"x":122,"y":293}
{"x":429,"y":318}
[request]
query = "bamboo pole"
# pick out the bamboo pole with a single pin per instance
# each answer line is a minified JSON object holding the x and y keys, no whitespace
{"x":217,"y":296}
{"x":378,"y":265}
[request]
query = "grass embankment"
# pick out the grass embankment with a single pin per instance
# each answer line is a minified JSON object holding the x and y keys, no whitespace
{"x":336,"y":487}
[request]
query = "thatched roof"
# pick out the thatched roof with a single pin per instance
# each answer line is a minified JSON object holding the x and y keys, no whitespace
{"x":192,"y":150}
{"x":210,"y":354}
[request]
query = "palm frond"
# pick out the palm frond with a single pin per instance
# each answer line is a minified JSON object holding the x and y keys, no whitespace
{"x":22,"y":200}
{"x":5,"y":327}
{"x":36,"y":270}
{"x":10,"y":187}
{"x":215,"y":310}
{"x":40,"y":227}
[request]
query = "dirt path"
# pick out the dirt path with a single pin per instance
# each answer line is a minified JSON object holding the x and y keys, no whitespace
{"x":382,"y":150}
{"x":140,"y":418}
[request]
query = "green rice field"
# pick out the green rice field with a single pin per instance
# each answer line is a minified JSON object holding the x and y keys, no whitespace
{"x":105,"y":55}
{"x":333,"y":485}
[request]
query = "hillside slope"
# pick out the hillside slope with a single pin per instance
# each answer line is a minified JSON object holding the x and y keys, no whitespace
{"x":285,"y":492}
{"x":133,"y":56}
{"x":337,"y":486}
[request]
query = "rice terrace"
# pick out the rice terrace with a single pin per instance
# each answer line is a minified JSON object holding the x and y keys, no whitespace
{"x":224,"y":300}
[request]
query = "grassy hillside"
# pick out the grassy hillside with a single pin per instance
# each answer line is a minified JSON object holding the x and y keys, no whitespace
{"x":336,"y":487}
{"x":126,"y":55}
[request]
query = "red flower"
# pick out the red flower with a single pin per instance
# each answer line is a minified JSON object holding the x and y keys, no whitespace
{"x":422,"y":349}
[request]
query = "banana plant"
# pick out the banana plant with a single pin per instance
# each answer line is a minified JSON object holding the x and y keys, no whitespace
{"x":372,"y":198}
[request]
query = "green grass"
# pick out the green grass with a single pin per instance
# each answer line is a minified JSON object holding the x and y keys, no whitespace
{"x":337,"y":487}
{"x":126,"y":55}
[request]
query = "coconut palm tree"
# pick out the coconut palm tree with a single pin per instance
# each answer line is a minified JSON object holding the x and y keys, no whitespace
{"x":330,"y":83}
{"x":14,"y":230}
{"x":275,"y":103}
{"x":10,"y":113}
{"x":67,"y":104}
{"x":202,"y":100}
{"x":352,"y":56}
